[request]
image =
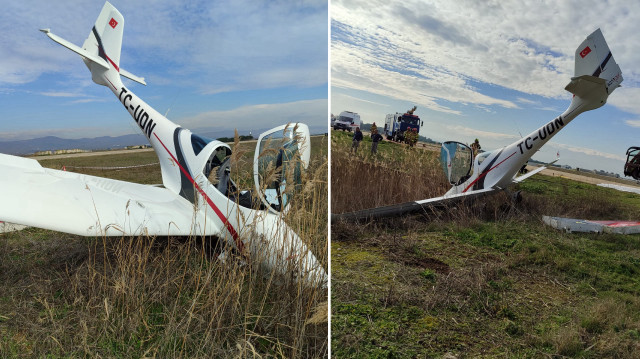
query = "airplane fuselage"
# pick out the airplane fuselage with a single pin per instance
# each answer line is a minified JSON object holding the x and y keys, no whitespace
{"x":496,"y":169}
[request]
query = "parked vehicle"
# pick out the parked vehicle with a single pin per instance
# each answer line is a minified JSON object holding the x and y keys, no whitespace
{"x":396,"y":124}
{"x":347,"y":121}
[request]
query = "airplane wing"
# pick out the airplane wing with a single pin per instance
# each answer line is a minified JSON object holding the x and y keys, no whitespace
{"x":425,"y":204}
{"x":409,"y":207}
{"x":531,"y":173}
{"x":88,"y":205}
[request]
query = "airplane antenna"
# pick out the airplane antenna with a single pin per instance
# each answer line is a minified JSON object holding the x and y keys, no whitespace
{"x":515,"y":123}
{"x":170,"y":106}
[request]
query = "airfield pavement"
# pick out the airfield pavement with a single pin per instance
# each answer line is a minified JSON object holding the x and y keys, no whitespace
{"x":106,"y":152}
{"x":581,"y":178}
{"x":89,"y":154}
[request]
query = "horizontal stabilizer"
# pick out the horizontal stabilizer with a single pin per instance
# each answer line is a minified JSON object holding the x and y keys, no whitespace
{"x":531,"y":173}
{"x":77,"y":49}
{"x":89,"y":56}
{"x":592,"y":90}
{"x":132,"y":77}
{"x":584,"y":85}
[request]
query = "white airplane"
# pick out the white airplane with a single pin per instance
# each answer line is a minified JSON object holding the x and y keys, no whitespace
{"x":596,"y":76}
{"x":188,"y":203}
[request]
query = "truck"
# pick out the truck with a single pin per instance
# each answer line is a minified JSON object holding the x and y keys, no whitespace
{"x":347,"y":120}
{"x":396,"y":124}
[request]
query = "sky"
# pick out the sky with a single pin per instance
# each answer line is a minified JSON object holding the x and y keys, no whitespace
{"x":208,"y":64}
{"x":492,"y":70}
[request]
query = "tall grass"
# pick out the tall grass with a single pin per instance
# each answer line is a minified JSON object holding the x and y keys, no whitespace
{"x":397,"y":174}
{"x":67,"y":296}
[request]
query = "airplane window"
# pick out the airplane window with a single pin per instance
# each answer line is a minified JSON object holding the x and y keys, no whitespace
{"x":483,"y":156}
{"x":215,"y":160}
{"x":198,"y":143}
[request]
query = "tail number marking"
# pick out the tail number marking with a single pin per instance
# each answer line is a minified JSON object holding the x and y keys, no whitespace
{"x":543,"y":132}
{"x":139,"y":114}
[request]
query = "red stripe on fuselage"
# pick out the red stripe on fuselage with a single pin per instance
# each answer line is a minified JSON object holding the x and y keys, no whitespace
{"x":111,"y":61}
{"x":114,"y":88}
{"x":224,"y":219}
{"x":485,"y":173}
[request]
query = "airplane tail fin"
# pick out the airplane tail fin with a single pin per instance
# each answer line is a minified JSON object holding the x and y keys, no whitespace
{"x":597,"y":74}
{"x":594,"y":58}
{"x":101,"y":50}
{"x":105,"y":38}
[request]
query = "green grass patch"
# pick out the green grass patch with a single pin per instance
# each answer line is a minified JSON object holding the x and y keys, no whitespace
{"x":509,"y":287}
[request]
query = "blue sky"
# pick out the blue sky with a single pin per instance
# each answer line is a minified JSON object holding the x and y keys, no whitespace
{"x":487,"y":70}
{"x":212,"y":64}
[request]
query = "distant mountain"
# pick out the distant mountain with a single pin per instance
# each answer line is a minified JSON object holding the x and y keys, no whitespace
{"x":52,"y":143}
{"x":25,"y":147}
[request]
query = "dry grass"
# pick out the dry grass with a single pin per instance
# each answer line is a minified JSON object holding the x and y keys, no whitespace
{"x":68,"y":296}
{"x":397,"y":174}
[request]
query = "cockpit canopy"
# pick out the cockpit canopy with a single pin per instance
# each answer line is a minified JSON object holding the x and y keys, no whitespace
{"x":281,"y":156}
{"x":456,"y":160}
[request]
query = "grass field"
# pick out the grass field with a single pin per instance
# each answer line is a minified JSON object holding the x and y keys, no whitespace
{"x":484,"y":279}
{"x":65,"y":296}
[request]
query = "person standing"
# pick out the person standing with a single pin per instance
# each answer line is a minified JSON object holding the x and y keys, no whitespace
{"x":357,"y":137}
{"x":475,"y":147}
{"x":374,"y":128}
{"x":375,"y":138}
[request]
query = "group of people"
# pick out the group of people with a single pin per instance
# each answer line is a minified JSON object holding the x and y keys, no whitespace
{"x":375,"y":139}
{"x":411,"y":136}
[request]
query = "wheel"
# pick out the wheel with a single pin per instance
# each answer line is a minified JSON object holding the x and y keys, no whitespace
{"x":516,"y":197}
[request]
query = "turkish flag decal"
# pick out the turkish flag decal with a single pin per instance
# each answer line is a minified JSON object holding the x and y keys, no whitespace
{"x":585,"y":52}
{"x":113,"y":23}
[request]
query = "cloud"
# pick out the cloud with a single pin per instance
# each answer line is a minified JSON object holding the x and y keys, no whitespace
{"x":587,"y":151}
{"x":472,"y":132}
{"x":362,"y":100}
{"x":59,"y":94}
{"x":227,"y":45}
{"x":435,"y":51}
{"x":524,"y":100}
{"x":80,"y":97}
{"x":263,"y":116}
{"x":88,"y":100}
{"x":626,"y":99}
